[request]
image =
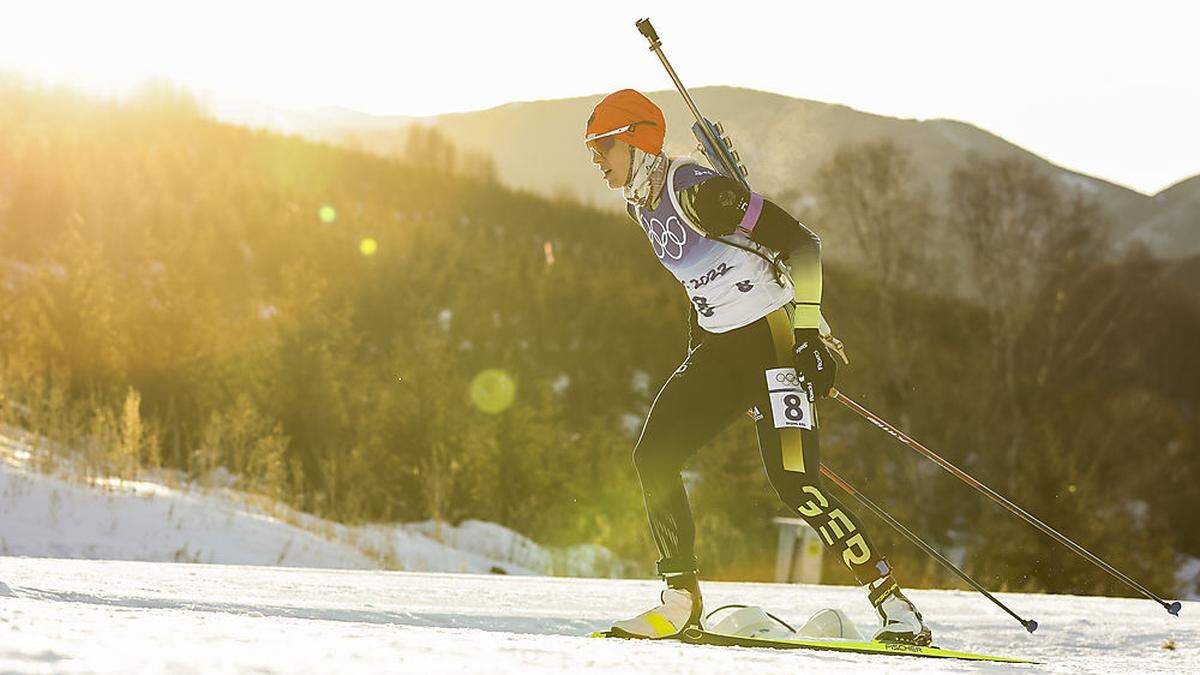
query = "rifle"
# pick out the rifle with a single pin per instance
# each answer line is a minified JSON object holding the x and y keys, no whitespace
{"x":715,"y":145}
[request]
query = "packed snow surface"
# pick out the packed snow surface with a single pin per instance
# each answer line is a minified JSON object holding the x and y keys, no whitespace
{"x":82,"y":616}
{"x":147,"y":601}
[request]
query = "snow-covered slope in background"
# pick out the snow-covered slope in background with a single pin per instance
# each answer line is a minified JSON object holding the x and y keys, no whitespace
{"x":62,"y":516}
{"x":76,"y":616}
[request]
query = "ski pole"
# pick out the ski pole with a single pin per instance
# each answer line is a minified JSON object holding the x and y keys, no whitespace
{"x":1029,"y":624}
{"x":1171,"y":607}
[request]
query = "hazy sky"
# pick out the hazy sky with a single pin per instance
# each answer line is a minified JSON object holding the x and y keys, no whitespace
{"x":1104,"y":88}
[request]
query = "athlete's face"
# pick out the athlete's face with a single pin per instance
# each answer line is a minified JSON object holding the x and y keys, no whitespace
{"x":613,"y":162}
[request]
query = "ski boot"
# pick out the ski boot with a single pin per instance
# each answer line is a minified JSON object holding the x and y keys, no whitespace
{"x":680,"y":607}
{"x":901,"y":620}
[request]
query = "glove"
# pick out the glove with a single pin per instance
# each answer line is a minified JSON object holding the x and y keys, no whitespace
{"x":815,"y":363}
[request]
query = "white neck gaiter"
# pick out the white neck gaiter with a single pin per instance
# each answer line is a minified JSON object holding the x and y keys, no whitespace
{"x":646,"y":177}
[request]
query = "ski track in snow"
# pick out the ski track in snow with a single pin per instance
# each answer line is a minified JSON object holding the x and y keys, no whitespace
{"x":84,"y":616}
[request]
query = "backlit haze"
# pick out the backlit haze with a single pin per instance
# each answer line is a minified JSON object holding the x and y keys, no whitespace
{"x":1104,"y":88}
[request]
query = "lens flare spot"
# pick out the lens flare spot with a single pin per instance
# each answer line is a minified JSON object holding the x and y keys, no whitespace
{"x":368,"y":246}
{"x":327,"y":214}
{"x":493,"y":391}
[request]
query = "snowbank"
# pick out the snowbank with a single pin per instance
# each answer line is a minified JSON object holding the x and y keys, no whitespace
{"x":62,"y":516}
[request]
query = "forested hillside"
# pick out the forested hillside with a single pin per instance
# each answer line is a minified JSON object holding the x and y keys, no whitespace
{"x":375,"y":339}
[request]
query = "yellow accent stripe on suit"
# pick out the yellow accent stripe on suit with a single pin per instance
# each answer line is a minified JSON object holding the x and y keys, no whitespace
{"x":789,"y":437}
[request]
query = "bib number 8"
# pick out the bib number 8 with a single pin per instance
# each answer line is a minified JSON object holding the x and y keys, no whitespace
{"x":792,"y":409}
{"x":789,"y":405}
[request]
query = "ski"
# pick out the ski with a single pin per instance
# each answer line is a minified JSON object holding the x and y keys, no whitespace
{"x":697,"y":636}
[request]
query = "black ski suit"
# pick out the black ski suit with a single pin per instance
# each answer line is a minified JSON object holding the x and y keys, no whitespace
{"x":727,"y":373}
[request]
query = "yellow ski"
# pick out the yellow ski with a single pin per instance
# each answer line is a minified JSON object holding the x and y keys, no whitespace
{"x":702,"y":637}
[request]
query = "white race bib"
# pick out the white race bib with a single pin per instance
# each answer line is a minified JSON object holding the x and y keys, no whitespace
{"x":789,"y":403}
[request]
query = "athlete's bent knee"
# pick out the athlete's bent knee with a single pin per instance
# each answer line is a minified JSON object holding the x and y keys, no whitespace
{"x":799,"y":493}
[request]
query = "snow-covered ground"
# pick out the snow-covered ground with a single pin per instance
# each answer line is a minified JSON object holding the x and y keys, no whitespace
{"x":60,"y":515}
{"x":80,"y":616}
{"x":116,"y":581}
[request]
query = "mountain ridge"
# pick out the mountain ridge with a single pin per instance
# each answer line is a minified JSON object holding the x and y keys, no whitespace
{"x":784,"y":141}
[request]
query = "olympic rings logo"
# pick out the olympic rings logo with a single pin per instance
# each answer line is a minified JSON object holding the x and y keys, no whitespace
{"x":667,"y":240}
{"x":789,"y":378}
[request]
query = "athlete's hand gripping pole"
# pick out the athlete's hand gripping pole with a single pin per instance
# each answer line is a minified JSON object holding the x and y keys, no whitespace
{"x":816,"y":363}
{"x":1171,"y":607}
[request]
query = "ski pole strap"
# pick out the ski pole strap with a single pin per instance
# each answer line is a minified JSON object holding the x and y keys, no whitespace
{"x":750,"y":219}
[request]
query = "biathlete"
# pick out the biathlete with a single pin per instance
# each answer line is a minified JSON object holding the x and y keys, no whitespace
{"x":761,"y":343}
